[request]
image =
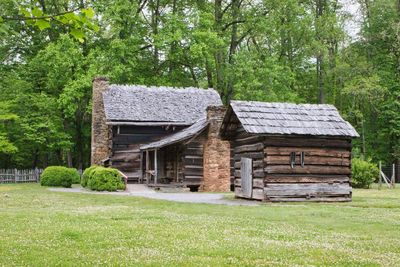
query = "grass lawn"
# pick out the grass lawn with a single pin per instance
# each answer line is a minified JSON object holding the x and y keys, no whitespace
{"x":41,"y":228}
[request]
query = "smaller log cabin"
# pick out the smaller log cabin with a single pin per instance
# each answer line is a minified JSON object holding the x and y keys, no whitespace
{"x":289,"y":152}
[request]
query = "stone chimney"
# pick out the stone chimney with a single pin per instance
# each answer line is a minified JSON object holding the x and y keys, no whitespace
{"x":216,"y":158}
{"x":99,"y":149}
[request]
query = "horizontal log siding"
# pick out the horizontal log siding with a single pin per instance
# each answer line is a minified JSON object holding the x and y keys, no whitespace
{"x":249,"y":146}
{"x":324,"y":176}
{"x":193,"y":162}
{"x":125,"y":152}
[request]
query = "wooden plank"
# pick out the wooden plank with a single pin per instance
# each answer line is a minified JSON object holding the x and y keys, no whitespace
{"x":259,"y":173}
{"x":199,"y":167}
{"x":193,"y":161}
{"x":239,"y":192}
{"x":252,"y":155}
{"x":313,"y":160}
{"x":319,"y":189}
{"x":246,"y":176}
{"x":307,"y":142}
{"x":155,"y":167}
{"x":322,"y":152}
{"x":193,"y":172}
{"x":308,"y":169}
{"x":193,"y":177}
{"x":257,"y":182}
{"x":310,"y":199}
{"x":193,"y":151}
{"x":147,"y":167}
{"x":299,"y":178}
{"x":249,"y":148}
{"x":246,"y":140}
{"x":256,"y":164}
{"x":258,"y":193}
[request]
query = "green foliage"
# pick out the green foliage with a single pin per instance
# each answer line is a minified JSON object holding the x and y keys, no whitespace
{"x":248,"y":50}
{"x":363,"y":173}
{"x":77,"y":20}
{"x":59,"y":176}
{"x":87,"y":174}
{"x":105,"y":179}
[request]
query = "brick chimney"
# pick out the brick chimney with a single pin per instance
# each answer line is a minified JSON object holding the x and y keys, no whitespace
{"x":100,"y":129}
{"x":216,"y":159}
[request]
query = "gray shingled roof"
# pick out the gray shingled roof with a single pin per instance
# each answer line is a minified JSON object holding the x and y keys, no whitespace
{"x":136,"y":103}
{"x":182,"y":135}
{"x":286,"y":118}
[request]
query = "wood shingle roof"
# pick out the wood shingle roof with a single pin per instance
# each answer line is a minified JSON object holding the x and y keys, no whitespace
{"x":157,"y":105}
{"x":288,"y":119}
{"x":180,"y":136}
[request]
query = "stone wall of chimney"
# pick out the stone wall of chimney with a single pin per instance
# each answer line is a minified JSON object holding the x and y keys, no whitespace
{"x":216,"y":159}
{"x":100,"y":130}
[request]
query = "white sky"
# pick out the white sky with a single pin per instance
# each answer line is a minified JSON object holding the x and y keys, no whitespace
{"x":353,"y":24}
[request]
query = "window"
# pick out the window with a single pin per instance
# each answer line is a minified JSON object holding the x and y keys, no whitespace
{"x":302,"y":156}
{"x":292,"y":159}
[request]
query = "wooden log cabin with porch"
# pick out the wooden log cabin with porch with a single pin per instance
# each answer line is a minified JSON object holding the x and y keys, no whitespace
{"x":289,"y":152}
{"x":161,"y":136}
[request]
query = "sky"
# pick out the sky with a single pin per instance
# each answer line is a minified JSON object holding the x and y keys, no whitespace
{"x":352,"y":25}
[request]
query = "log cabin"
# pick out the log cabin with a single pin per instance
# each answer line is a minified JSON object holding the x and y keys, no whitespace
{"x":289,"y":152}
{"x":161,"y":136}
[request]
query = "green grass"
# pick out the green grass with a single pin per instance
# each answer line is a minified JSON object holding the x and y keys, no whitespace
{"x":42,"y":228}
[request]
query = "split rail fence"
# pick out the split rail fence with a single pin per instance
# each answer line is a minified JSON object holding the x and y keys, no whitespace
{"x":20,"y":176}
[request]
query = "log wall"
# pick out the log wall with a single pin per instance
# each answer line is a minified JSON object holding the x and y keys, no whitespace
{"x":325,"y":175}
{"x":125,"y":144}
{"x":193,"y":162}
{"x":248,"y":146}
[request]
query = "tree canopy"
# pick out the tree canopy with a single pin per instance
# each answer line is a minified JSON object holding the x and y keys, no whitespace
{"x":275,"y":50}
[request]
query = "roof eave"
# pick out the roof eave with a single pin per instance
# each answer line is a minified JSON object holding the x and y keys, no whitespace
{"x":304,"y":135}
{"x":148,"y":123}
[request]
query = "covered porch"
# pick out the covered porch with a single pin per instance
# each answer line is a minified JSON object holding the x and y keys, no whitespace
{"x":176,"y":160}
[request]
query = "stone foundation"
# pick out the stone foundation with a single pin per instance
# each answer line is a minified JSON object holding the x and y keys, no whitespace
{"x":216,"y":159}
{"x":100,"y":130}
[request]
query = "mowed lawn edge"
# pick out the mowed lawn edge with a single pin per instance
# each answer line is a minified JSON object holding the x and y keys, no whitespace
{"x":44,"y":228}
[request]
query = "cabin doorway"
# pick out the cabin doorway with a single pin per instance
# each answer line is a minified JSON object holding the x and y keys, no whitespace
{"x":162,"y":166}
{"x":246,"y":176}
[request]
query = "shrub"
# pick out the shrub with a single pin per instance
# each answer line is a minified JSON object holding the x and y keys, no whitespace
{"x":105,"y":179}
{"x":59,"y":176}
{"x":86,"y":175}
{"x":363,"y":173}
{"x":76,"y":177}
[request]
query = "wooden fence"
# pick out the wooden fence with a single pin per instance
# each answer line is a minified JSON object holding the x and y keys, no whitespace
{"x":20,"y":176}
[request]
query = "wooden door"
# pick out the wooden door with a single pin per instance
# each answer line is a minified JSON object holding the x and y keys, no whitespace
{"x":246,"y":175}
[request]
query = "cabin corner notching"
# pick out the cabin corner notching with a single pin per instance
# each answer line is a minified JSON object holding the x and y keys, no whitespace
{"x":297,"y":152}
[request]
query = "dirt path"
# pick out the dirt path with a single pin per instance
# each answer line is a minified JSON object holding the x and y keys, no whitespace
{"x":143,"y":191}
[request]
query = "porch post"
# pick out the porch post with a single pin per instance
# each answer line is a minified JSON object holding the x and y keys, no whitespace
{"x":147,"y":166}
{"x":155,"y":166}
{"x":141,"y":168}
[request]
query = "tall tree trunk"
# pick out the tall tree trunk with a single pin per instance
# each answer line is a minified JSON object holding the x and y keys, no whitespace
{"x":155,"y":16}
{"x":174,"y":45}
{"x":320,"y":57}
{"x":219,"y":52}
{"x":232,"y":49}
{"x":35,"y":158}
{"x":69,"y":159}
{"x":210,"y":83}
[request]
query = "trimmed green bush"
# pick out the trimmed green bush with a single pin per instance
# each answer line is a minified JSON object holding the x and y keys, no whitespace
{"x":105,"y":179}
{"x":86,"y":175}
{"x":59,"y":176}
{"x":76,"y":177}
{"x":363,"y":173}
